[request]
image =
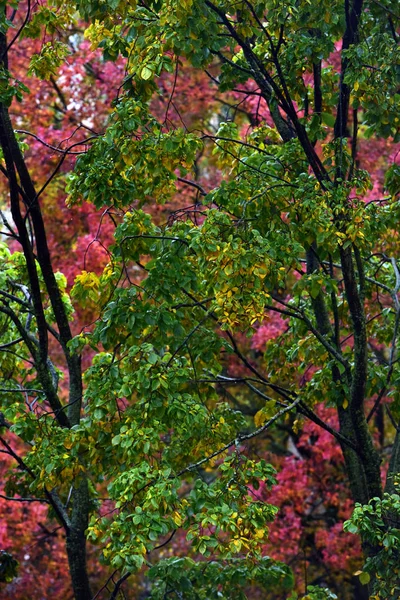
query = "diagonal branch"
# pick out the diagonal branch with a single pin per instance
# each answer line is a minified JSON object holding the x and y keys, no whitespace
{"x":239,"y":439}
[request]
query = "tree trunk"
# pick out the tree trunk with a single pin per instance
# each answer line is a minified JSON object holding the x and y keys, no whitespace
{"x":76,"y":541}
{"x":23,"y":193}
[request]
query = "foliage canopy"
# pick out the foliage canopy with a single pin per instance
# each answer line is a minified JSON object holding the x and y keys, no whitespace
{"x":286,"y":217}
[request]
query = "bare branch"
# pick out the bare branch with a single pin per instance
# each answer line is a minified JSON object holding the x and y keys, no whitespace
{"x":13,"y":499}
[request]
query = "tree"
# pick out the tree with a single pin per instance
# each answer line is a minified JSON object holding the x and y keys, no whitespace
{"x":284,"y":220}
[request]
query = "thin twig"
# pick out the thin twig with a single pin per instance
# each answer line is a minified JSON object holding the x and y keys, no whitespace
{"x":393,"y":344}
{"x":118,"y":585}
{"x":13,"y":499}
{"x":240,"y":439}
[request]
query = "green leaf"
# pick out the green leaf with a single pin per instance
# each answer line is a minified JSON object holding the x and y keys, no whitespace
{"x":328,"y":119}
{"x":364,"y":578}
{"x":146,"y":73}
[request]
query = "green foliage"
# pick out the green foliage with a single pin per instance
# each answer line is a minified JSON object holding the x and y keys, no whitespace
{"x":285,"y":225}
{"x":10,"y":89}
{"x":47,"y":62}
{"x":392,"y":179}
{"x":8,"y":567}
{"x":225,"y":273}
{"x":212,"y":579}
{"x":375,"y":86}
{"x":318,"y":593}
{"x":376,"y":523}
{"x":314,"y":592}
{"x":121,"y":166}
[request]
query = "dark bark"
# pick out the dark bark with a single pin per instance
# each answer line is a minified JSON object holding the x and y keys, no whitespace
{"x":76,"y":540}
{"x":394,"y":466}
{"x":362,"y":464}
{"x":367,"y":452}
{"x":353,"y":14}
{"x":354,"y":467}
{"x":23,"y":194}
{"x":341,"y":129}
{"x":15,"y":164}
{"x":317,"y":74}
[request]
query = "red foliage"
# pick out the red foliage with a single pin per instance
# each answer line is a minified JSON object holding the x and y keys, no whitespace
{"x":313,"y":500}
{"x":311,"y":493}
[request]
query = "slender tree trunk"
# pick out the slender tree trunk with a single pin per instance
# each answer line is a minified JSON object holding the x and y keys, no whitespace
{"x":76,"y":541}
{"x":394,"y":467}
{"x":23,"y":193}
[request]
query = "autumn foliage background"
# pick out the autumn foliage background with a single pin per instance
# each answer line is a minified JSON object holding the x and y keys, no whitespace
{"x":57,"y":119}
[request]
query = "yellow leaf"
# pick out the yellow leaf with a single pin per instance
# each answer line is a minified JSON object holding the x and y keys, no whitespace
{"x":259,"y":533}
{"x":228,"y":270}
{"x":127,"y":158}
{"x":259,"y":418}
{"x":237,"y":544}
{"x":177,"y":518}
{"x":296,"y":425}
